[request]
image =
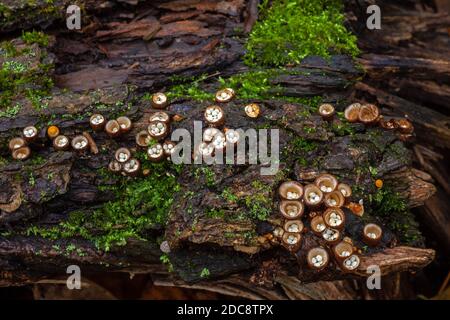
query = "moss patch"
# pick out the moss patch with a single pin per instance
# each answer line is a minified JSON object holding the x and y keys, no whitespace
{"x":290,"y":30}
{"x":140,"y":205}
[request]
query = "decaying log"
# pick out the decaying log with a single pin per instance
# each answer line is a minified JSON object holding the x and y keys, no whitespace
{"x":108,"y":67}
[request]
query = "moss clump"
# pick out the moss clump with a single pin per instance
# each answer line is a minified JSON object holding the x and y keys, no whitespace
{"x":290,"y":30}
{"x":140,"y":205}
{"x":23,"y":73}
{"x":37,"y":37}
{"x":388,"y":205}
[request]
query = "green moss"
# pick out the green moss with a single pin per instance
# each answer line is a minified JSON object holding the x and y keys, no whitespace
{"x":207,"y":173}
{"x":139,"y":205}
{"x":205,"y":273}
{"x":290,"y":30}
{"x":35,"y":37}
{"x":302,"y":145}
{"x":228,"y":195}
{"x":259,"y":202}
{"x":388,"y":205}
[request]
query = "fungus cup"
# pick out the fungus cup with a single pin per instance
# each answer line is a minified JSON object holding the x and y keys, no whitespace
{"x":112,"y":128}
{"x":143,"y":139}
{"x":16,"y":143}
{"x":125,"y":124}
{"x":159,"y":100}
{"x":214,"y":115}
{"x":326,"y":182}
{"x":291,"y":209}
{"x":334,"y":199}
{"x":317,"y":258}
{"x":115,"y":166}
{"x":342,"y":250}
{"x":97,"y":122}
{"x":80,"y":143}
{"x":351,"y":113}
{"x":334,"y":218}
{"x":30,"y":133}
{"x":169,"y":147}
{"x":61,"y":143}
{"x":21,"y":153}
{"x":368,"y":114}
{"x":52,"y":132}
{"x":293,"y":226}
{"x":345,"y":190}
{"x":318,"y":225}
{"x":331,"y":235}
{"x":372,"y":234}
{"x":351,"y":263}
{"x":290,"y":190}
{"x":326,"y":111}
{"x":155,"y":153}
{"x":122,"y":155}
{"x":225,"y":95}
{"x":252,"y":110}
{"x":159,"y":116}
{"x":312,"y":196}
{"x":158,"y":130}
{"x":131,"y":167}
{"x":292,"y":241}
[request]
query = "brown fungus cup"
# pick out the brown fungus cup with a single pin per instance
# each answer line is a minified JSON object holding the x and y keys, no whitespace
{"x":293,"y":226}
{"x":369,"y":114}
{"x":291,"y":209}
{"x":80,"y":143}
{"x":372,"y":234}
{"x":317,"y":258}
{"x":292,"y":241}
{"x":112,"y":128}
{"x":61,"y":143}
{"x":214,"y":115}
{"x":334,"y":218}
{"x":342,"y":250}
{"x":159,"y":116}
{"x":318,"y":224}
{"x":344,"y":189}
{"x":21,"y":153}
{"x":159,"y":101}
{"x":351,"y":263}
{"x":326,"y":111}
{"x":97,"y":122}
{"x":331,"y":236}
{"x":158,"y":130}
{"x":334,"y":199}
{"x":125,"y":124}
{"x":290,"y":190}
{"x":30,"y":133}
{"x":122,"y":155}
{"x":155,"y":153}
{"x":312,"y":196}
{"x":326,"y":182}
{"x":131,"y":167}
{"x":115,"y":166}
{"x":405,"y":126}
{"x":143,"y":139}
{"x":225,"y":95}
{"x":16,"y":143}
{"x":351,"y":113}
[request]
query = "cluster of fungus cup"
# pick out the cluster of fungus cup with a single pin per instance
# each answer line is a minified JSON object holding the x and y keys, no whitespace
{"x":19,"y":146}
{"x":364,"y":113}
{"x":323,"y":201}
{"x":19,"y":149}
{"x":252,"y":110}
{"x":225,"y":95}
{"x":317,"y":258}
{"x":80,"y":143}
{"x":372,"y":234}
{"x":403,"y":126}
{"x":118,"y":127}
{"x":159,"y":100}
{"x":326,"y":111}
